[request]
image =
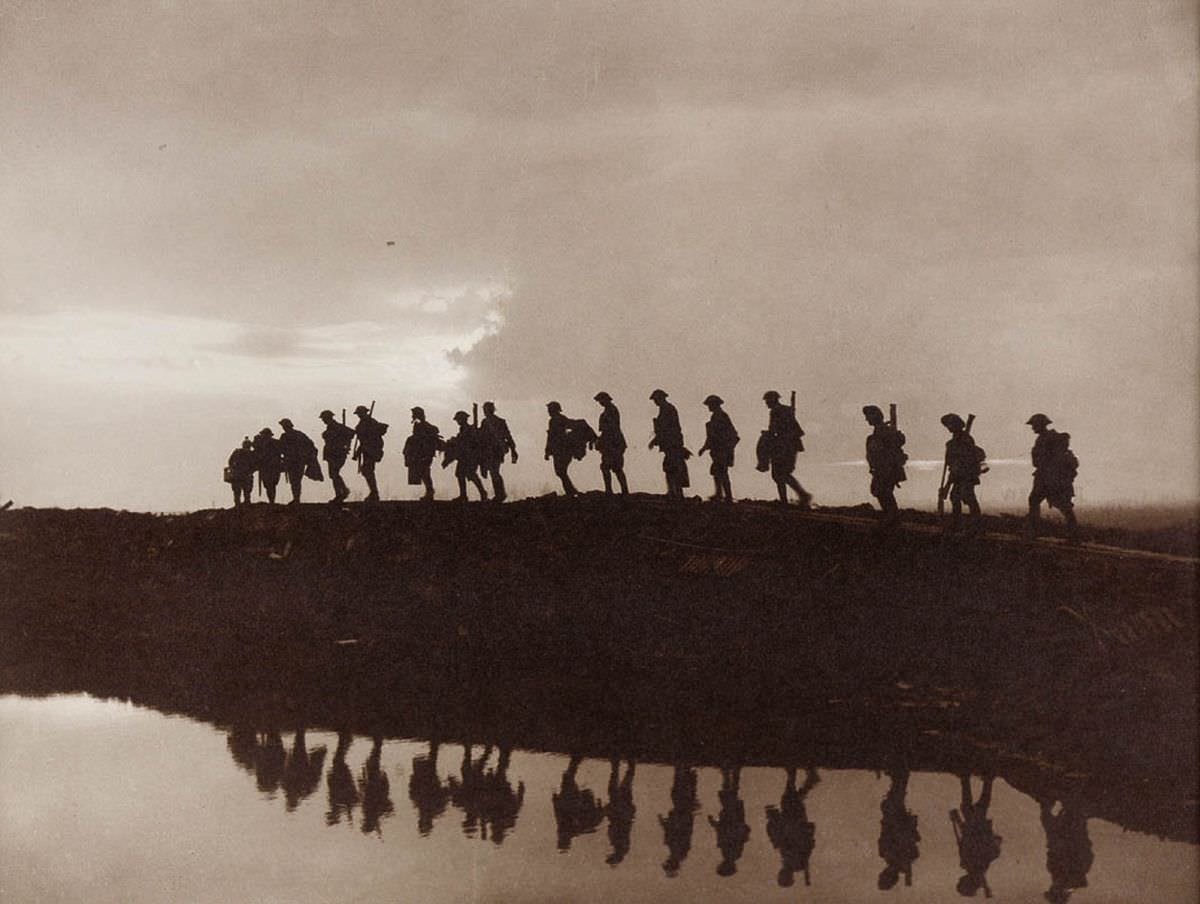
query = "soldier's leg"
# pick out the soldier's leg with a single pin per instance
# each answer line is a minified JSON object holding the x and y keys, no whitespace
{"x":498,"y":489}
{"x":802,"y":494}
{"x":479,"y":486}
{"x":606,"y":475}
{"x":237,"y":494}
{"x":956,"y":504}
{"x":340,"y":490}
{"x":620,"y":472}
{"x":295,"y":476}
{"x":1035,"y":508}
{"x":269,"y":484}
{"x":1068,"y":510}
{"x":462,"y":489}
{"x":560,"y":468}
{"x":427,"y":481}
{"x":368,"y":473}
{"x":728,"y":485}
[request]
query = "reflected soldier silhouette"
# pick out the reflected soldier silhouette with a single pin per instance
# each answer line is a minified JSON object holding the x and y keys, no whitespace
{"x":732,"y":829}
{"x":243,"y":746}
{"x":898,"y":835}
{"x":297,"y":451}
{"x":421,"y":447}
{"x":778,"y":447}
{"x":369,"y":451}
{"x":374,"y":790}
{"x":720,"y":439}
{"x":978,"y":844}
{"x":339,"y":782}
{"x":1054,"y":469}
{"x":611,"y":445}
{"x":500,"y":805}
{"x":885,"y":460}
{"x":1068,"y":849}
{"x":463,"y":450}
{"x":301,"y":771}
{"x":790,"y":831}
{"x":426,"y":790}
{"x":269,"y":760}
{"x":963,"y":466}
{"x":576,"y":811}
{"x":566,"y":439}
{"x":620,"y":810}
{"x":336,"y":441}
{"x":268,"y":459}
{"x":240,"y":472}
{"x":678,"y":824}
{"x":668,"y":439}
{"x":497,"y":441}
{"x":469,"y":789}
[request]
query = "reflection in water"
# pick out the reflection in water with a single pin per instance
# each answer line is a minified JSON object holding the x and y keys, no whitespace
{"x":269,"y":758}
{"x":898,"y":835}
{"x":620,"y":811}
{"x":426,"y":790}
{"x":301,"y":771}
{"x":486,"y":796}
{"x":978,"y":844}
{"x":374,"y":790}
{"x":1068,"y":849}
{"x":576,"y":810}
{"x":789,"y":829}
{"x":677,"y":825}
{"x":343,"y":792}
{"x":732,"y":829}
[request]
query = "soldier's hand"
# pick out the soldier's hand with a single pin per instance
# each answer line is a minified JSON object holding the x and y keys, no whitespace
{"x":547,"y":456}
{"x":514,"y":456}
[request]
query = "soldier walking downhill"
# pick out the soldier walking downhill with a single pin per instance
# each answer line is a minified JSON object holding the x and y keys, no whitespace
{"x":720,"y":439}
{"x":611,"y":445}
{"x":369,"y":452}
{"x":421,"y":447}
{"x":497,"y":441}
{"x":778,"y":447}
{"x":1054,"y":470}
{"x":885,"y":460}
{"x":668,"y":438}
{"x":337,"y":440}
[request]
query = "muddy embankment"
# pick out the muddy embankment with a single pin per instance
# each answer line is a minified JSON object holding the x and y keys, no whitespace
{"x":687,"y":631}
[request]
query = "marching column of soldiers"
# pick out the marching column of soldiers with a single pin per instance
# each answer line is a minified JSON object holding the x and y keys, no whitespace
{"x":478,"y":451}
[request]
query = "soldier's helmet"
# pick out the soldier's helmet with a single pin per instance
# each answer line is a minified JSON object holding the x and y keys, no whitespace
{"x":362,"y":410}
{"x":418,"y":414}
{"x":872,"y":413}
{"x":714,"y":400}
{"x":1039,"y":420}
{"x":602,"y":397}
{"x":326,"y":415}
{"x":953,"y":422}
{"x":553,"y":407}
{"x":266,"y":431}
{"x":489,"y":407}
{"x":246,"y":444}
{"x":658,"y":394}
{"x":771,"y":396}
{"x":462,"y":417}
{"x":285,"y":423}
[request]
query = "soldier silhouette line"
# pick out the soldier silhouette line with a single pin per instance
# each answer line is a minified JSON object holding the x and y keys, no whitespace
{"x":463,"y":450}
{"x":978,"y":844}
{"x":885,"y":461}
{"x":299,"y":454}
{"x":898,"y":835}
{"x":620,"y":810}
{"x":576,"y":810}
{"x":778,"y":447}
{"x":1054,"y":470}
{"x":790,"y":831}
{"x":720,"y":439}
{"x":567,"y":439}
{"x":963,"y":467}
{"x":668,"y":439}
{"x":429,"y":795}
{"x":611,"y":445}
{"x":369,"y":452}
{"x":679,"y":823}
{"x":731,"y":827}
{"x":268,"y":461}
{"x":497,"y":441}
{"x":239,"y":472}
{"x":336,"y":441}
{"x":420,"y":449}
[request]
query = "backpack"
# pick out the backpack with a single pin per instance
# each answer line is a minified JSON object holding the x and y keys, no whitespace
{"x":579,"y":435}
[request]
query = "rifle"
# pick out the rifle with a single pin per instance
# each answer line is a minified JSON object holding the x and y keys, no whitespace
{"x":474,"y":414}
{"x":792,"y":401}
{"x":354,"y":455}
{"x":892,"y":415}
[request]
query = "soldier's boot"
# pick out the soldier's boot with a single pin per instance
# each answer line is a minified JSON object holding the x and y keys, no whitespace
{"x":805,"y":497}
{"x":1072,"y":524}
{"x":728,"y":486}
{"x":607,"y":475}
{"x":624,"y":485}
{"x":428,"y":497}
{"x":1031,"y":523}
{"x":499,"y":494}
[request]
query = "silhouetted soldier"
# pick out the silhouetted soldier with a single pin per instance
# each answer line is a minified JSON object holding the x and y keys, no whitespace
{"x":566,"y":440}
{"x":679,"y":823}
{"x":374,"y":788}
{"x":790,"y":831}
{"x":668,"y":438}
{"x":576,"y":810}
{"x":964,"y":464}
{"x":301,"y":771}
{"x":611,"y":444}
{"x":778,"y":447}
{"x":463,"y":449}
{"x":343,"y":792}
{"x":720,"y":439}
{"x":240,"y":472}
{"x":1068,"y":850}
{"x":500,"y":804}
{"x":268,"y":460}
{"x":469,"y":789}
{"x":497,"y":442}
{"x":885,"y":460}
{"x":337,"y":439}
{"x":1054,"y":469}
{"x":426,"y":791}
{"x":421,"y":447}
{"x":369,"y":451}
{"x":898,"y":835}
{"x":297,"y":451}
{"x":732,"y":829}
{"x":268,"y":762}
{"x":620,"y":810}
{"x":978,"y":844}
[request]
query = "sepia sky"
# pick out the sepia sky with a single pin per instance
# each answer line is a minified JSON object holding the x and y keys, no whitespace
{"x":986,"y":207}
